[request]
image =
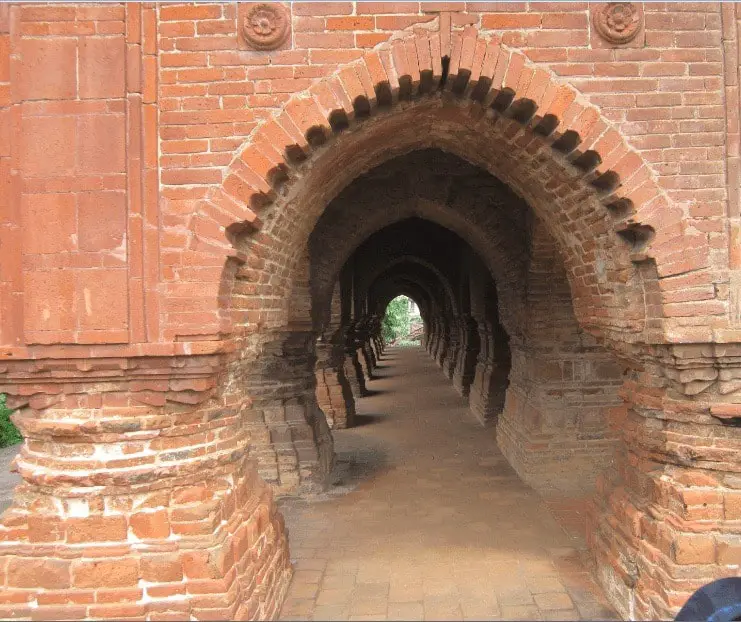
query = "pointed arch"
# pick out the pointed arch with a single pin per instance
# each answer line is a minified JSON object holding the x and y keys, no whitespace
{"x":435,"y":280}
{"x":491,"y":106}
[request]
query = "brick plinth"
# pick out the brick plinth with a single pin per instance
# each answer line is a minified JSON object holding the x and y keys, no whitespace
{"x":288,"y":432}
{"x":334,"y":397}
{"x":442,"y":342}
{"x":353,"y":369}
{"x":454,"y":345}
{"x":486,"y":395}
{"x":130,"y":508}
{"x":333,"y":391}
{"x":553,"y":429}
{"x":369,"y":358}
{"x":431,"y":336}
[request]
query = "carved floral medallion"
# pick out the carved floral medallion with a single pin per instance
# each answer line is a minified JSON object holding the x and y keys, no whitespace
{"x":617,"y":22}
{"x":265,"y":26}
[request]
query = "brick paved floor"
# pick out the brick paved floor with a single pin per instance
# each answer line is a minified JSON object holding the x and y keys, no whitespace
{"x":426,"y":520}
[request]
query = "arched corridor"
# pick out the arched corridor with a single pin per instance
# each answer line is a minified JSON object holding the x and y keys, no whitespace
{"x":425,"y":519}
{"x":527,"y":396}
{"x":495,"y":297}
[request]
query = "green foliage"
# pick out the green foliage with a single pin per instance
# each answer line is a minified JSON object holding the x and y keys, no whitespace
{"x":9,"y":434}
{"x":396,"y":321}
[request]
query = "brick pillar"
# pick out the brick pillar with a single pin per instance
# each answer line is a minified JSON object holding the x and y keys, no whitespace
{"x":140,"y":501}
{"x":553,"y":429}
{"x":465,"y":365}
{"x":486,"y":396}
{"x":353,"y":368}
{"x":368,"y":356}
{"x":289,"y":434}
{"x":365,"y":354}
{"x":443,"y":340}
{"x":373,"y":348}
{"x":432,"y":342}
{"x":666,"y":518}
{"x":454,"y":346}
{"x":376,"y":336}
{"x":431,"y":336}
{"x":333,"y":390}
{"x":377,"y":343}
{"x":437,"y":339}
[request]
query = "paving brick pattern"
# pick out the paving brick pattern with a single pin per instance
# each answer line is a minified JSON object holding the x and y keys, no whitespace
{"x":426,"y":520}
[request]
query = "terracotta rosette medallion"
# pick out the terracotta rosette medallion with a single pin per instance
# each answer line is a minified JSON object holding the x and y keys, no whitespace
{"x":618,"y":23}
{"x":264,"y":26}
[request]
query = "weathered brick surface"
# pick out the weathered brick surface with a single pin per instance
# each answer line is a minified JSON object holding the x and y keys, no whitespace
{"x":178,"y":211}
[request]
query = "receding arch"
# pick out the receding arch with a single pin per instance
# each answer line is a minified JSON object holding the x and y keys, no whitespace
{"x":490,"y":219}
{"x":411,"y":290}
{"x":399,"y":266}
{"x":433,"y":292}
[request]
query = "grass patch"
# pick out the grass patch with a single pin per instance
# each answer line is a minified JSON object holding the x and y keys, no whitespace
{"x":9,"y":434}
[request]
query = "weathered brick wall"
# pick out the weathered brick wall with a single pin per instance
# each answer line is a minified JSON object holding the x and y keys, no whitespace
{"x":160,"y":183}
{"x":678,"y":64}
{"x":69,"y":194}
{"x":554,"y":428}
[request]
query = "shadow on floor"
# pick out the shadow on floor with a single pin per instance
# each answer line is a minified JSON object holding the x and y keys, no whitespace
{"x":361,"y":420}
{"x":426,"y":519}
{"x":370,"y":392}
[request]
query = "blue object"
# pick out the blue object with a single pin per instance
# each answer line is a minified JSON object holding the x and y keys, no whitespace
{"x":719,"y":601}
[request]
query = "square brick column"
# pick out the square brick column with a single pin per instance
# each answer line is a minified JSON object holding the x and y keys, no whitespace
{"x":376,"y":340}
{"x":289,"y":434}
{"x":443,"y":340}
{"x":431,"y":336}
{"x":454,"y":346}
{"x":333,"y":390}
{"x":554,"y":426}
{"x":353,"y":369}
{"x":486,"y":396}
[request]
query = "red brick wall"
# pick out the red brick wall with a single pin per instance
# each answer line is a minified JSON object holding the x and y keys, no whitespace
{"x":186,"y":74}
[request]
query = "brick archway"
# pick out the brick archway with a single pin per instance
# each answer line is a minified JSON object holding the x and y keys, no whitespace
{"x":410,"y":289}
{"x":571,"y":149}
{"x":436,"y":277}
{"x":619,"y":237}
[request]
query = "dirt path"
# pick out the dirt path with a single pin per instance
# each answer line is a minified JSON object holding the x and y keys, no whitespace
{"x":8,"y":480}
